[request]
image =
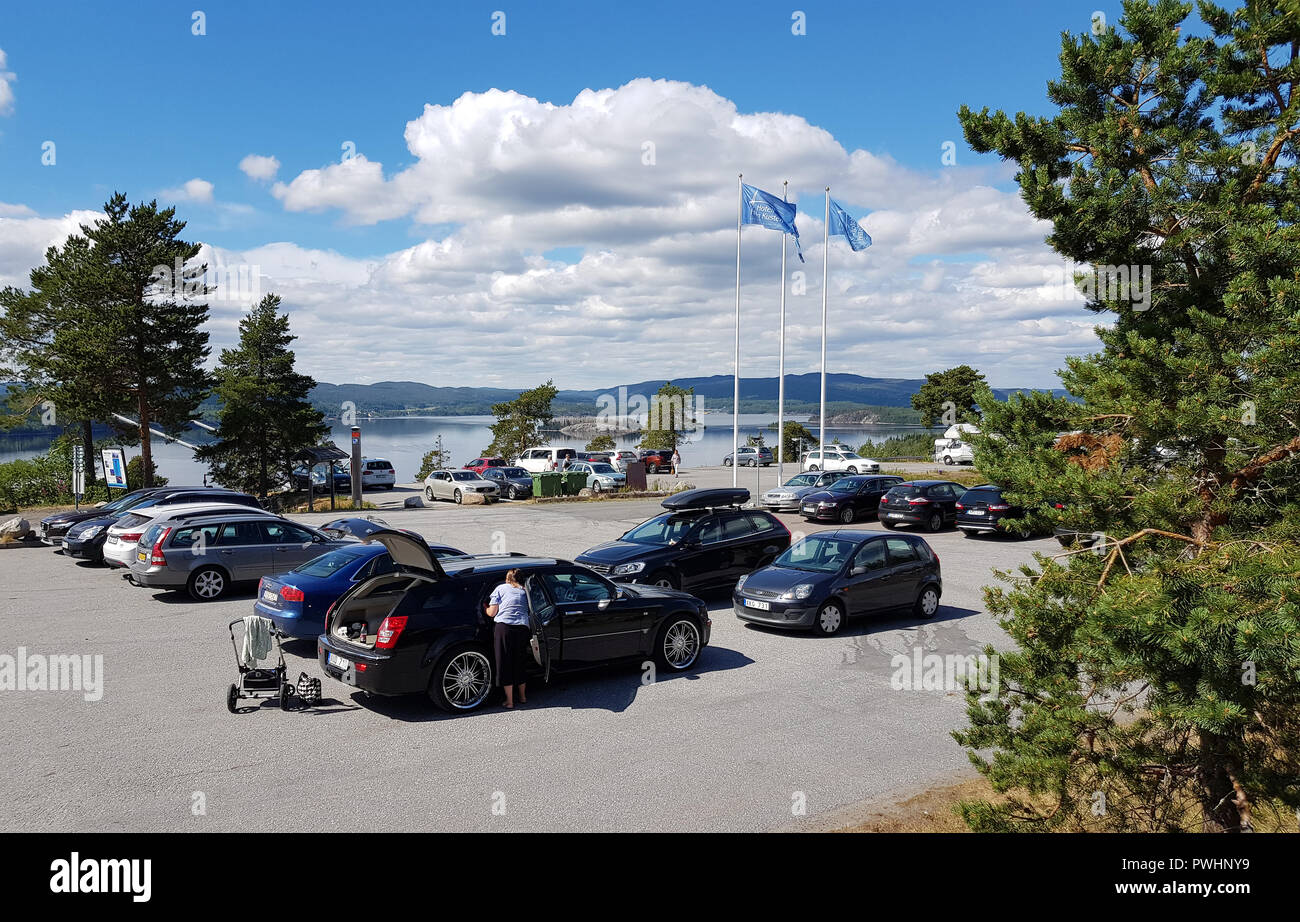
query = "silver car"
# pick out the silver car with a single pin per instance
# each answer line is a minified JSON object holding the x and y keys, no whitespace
{"x":600,"y":476}
{"x":788,"y":496}
{"x":454,"y":485}
{"x":206,"y":554}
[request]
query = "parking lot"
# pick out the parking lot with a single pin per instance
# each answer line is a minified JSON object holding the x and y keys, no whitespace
{"x":767,"y":722}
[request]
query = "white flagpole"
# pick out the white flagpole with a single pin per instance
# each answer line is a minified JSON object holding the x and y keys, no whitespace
{"x":735,"y":405}
{"x":780,"y":387}
{"x":821,"y":415}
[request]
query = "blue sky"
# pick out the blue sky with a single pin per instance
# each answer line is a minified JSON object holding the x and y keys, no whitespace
{"x":526,"y":209}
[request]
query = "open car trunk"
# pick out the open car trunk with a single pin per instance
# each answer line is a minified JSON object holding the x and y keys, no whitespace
{"x":360,"y":613}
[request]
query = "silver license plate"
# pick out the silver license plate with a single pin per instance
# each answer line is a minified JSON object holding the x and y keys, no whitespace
{"x":339,"y":662}
{"x":761,"y":606}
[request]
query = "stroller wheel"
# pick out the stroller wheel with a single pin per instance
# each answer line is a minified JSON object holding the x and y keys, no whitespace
{"x":285,"y":692}
{"x":232,"y":698}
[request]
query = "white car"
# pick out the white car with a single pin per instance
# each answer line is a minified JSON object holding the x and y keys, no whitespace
{"x":124,"y":534}
{"x":953,"y":451}
{"x":544,"y":458}
{"x":377,"y":474}
{"x":621,"y":458}
{"x":849,"y":461}
{"x":455,"y":484}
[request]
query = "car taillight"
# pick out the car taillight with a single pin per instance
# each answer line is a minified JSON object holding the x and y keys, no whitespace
{"x":291,"y":594}
{"x":389,"y":630}
{"x":131,"y":536}
{"x":156,"y":557}
{"x":960,"y":506}
{"x":998,"y":507}
{"x":922,"y":501}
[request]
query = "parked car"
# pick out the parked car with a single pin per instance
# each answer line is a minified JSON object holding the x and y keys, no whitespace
{"x":205,"y":553}
{"x":479,"y":465}
{"x":749,"y":456}
{"x":788,"y":497}
{"x":1070,"y":536}
{"x":982,"y":510}
{"x":453,"y":485}
{"x":849,"y":461}
{"x":423,"y":629}
{"x":298,"y":599}
{"x":377,"y":474}
{"x":120,"y":538}
{"x":704,"y":541}
{"x":85,"y":539}
{"x":620,"y":458}
{"x":831,"y":576}
{"x":319,"y":478}
{"x":512,"y":482}
{"x":601,"y":477}
{"x":544,"y":458}
{"x":931,"y":503}
{"x":848,"y":499}
{"x":953,"y":451}
{"x":656,"y":459}
{"x":54,"y":527}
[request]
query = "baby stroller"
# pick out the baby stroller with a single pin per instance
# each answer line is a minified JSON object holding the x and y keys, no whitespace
{"x":259,"y":634}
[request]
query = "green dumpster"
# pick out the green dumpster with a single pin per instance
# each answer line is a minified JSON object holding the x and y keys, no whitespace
{"x":547,"y":483}
{"x":574,"y":481}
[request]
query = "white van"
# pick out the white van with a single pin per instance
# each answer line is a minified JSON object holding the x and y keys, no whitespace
{"x":545,"y":458}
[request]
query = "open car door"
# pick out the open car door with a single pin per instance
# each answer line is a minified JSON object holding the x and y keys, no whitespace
{"x":540,"y":615}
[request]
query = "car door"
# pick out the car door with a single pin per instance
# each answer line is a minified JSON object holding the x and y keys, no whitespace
{"x":907,"y":569}
{"x":699,"y":556}
{"x":598,"y":624}
{"x":946,"y":497}
{"x":869,"y":583}
{"x":547,"y":641}
{"x":289,"y":545}
{"x":242,"y":549}
{"x":760,"y":541}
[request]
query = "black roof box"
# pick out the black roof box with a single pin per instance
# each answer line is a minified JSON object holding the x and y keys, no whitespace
{"x":706,"y":498}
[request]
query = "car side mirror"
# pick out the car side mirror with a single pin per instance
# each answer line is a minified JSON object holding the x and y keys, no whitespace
{"x":603,"y":604}
{"x":857,"y":571}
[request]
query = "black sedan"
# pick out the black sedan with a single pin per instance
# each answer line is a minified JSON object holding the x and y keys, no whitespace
{"x":928,"y":503}
{"x":423,"y":628}
{"x":54,"y":527}
{"x":512,"y":482}
{"x":704,"y":541}
{"x":847,"y":499}
{"x":832,"y":576}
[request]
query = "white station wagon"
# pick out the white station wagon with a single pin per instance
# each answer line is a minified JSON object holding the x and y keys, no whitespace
{"x":848,"y":461}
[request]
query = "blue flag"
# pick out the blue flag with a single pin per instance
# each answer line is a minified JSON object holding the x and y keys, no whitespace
{"x":843,"y":224}
{"x":766,"y":210}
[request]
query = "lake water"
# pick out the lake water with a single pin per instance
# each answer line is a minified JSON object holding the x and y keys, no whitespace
{"x":404,"y":441}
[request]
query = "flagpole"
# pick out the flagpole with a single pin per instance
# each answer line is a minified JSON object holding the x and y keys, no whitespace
{"x":735,"y":404}
{"x":780,"y":387}
{"x":821,"y":414}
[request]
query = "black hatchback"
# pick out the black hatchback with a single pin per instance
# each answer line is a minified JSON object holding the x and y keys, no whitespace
{"x":847,"y":499}
{"x":422,"y":627}
{"x":931,"y":504}
{"x":982,"y":511}
{"x":704,"y":541}
{"x":831,"y":576}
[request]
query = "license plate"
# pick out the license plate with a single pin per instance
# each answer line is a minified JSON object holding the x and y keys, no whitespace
{"x":339,"y":662}
{"x":975,"y":511}
{"x":809,"y":508}
{"x":270,"y":596}
{"x":140,"y":555}
{"x":894,"y":515}
{"x":111,"y":539}
{"x":761,"y":606}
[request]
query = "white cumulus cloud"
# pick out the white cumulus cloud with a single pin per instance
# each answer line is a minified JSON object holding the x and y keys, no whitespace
{"x":198,"y":191}
{"x":259,"y":167}
{"x":7,"y":79}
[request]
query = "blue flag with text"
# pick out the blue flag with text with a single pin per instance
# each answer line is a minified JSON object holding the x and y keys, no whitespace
{"x":766,"y":210}
{"x":843,"y":224}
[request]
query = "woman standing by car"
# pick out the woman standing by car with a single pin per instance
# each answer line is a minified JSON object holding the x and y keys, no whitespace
{"x":508,"y":609}
{"x":677,"y":461}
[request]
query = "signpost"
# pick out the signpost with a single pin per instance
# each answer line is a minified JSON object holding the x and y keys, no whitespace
{"x":78,"y":475}
{"x":356,"y":467}
{"x":114,"y":467}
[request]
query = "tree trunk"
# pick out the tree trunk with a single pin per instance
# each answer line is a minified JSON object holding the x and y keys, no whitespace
{"x":1224,"y":804}
{"x":146,"y":446}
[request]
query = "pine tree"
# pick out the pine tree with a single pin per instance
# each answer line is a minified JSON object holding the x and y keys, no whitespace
{"x":265,"y":414}
{"x":1156,"y":680}
{"x":948,"y":396}
{"x":520,"y":422}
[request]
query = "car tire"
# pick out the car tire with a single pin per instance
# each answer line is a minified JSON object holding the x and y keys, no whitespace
{"x":852,"y":469}
{"x":512,"y":493}
{"x":947,"y":459}
{"x":458,"y":497}
{"x":679,"y":643}
{"x":207,"y":584}
{"x":927,"y":603}
{"x":887,"y":523}
{"x":846,"y":516}
{"x":830,"y":618}
{"x":664,"y":579}
{"x":462,"y":679}
{"x":934,"y":522}
{"x":428,"y":494}
{"x":814,"y":468}
{"x":1065,"y":540}
{"x":652,"y":468}
{"x":753,"y":462}
{"x":726,"y":462}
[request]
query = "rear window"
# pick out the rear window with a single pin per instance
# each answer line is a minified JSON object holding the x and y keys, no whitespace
{"x":328,"y":564}
{"x":904,"y":490}
{"x":378,"y":465}
{"x":981,"y":496}
{"x":132,"y":520}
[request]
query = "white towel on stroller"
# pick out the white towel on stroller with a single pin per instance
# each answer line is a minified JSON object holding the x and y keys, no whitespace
{"x":257,"y":640}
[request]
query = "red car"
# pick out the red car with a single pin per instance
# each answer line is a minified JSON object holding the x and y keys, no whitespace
{"x":657,"y":459}
{"x":479,"y":465}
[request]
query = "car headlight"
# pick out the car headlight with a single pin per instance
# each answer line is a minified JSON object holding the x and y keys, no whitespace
{"x":802,"y":591}
{"x":625,"y":568}
{"x":91,"y":532}
{"x":740,"y":582}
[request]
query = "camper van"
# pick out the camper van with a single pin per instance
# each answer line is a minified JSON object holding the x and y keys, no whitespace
{"x":953,"y":448}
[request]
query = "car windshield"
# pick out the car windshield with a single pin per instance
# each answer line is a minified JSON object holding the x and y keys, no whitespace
{"x":846,"y":485}
{"x":662,"y":529}
{"x":603,"y":469}
{"x":331,"y":563}
{"x":513,"y":472}
{"x":802,"y":480}
{"x":819,"y":553}
{"x":464,"y":475}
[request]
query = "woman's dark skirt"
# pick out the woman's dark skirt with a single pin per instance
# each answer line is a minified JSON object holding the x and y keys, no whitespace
{"x":511,"y":644}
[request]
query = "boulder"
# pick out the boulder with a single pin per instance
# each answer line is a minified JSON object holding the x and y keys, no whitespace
{"x":15,"y":528}
{"x":413,"y":502}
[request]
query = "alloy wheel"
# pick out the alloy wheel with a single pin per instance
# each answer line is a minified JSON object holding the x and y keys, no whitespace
{"x":681,"y":644}
{"x":467,"y":680}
